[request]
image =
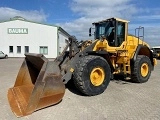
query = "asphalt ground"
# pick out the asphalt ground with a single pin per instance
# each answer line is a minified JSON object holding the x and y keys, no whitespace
{"x":122,"y":100}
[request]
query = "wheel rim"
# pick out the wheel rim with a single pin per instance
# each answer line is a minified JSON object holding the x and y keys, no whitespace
{"x":144,"y":69}
{"x":97,"y":76}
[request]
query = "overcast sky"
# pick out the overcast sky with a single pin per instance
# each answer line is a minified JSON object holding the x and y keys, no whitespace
{"x":76,"y":16}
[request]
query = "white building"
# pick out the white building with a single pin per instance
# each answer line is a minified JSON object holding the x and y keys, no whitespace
{"x":19,"y":36}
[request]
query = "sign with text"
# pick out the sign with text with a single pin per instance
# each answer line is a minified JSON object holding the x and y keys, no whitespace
{"x":17,"y":30}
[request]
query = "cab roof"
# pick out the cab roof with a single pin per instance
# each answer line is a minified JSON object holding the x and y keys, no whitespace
{"x":111,"y":19}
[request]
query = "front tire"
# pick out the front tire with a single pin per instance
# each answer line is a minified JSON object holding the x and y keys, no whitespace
{"x":141,"y":70}
{"x":92,"y":75}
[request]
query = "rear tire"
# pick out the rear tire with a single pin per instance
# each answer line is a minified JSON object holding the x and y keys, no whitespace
{"x":92,"y":75}
{"x":141,"y":70}
{"x":6,"y":57}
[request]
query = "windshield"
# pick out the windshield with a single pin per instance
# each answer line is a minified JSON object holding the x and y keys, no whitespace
{"x":102,"y":29}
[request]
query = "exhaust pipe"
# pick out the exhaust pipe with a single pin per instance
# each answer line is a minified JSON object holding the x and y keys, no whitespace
{"x":38,"y":85}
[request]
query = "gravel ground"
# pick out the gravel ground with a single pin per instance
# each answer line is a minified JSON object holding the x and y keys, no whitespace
{"x":121,"y":101}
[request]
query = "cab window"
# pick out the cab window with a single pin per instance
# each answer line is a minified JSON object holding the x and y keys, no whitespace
{"x":120,"y":33}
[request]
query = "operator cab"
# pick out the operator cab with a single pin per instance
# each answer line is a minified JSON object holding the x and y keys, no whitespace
{"x":113,"y":29}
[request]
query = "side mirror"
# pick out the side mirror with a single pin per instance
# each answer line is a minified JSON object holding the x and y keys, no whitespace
{"x":90,"y":32}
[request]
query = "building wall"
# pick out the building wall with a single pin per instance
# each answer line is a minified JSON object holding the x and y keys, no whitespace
{"x":38,"y":35}
{"x":62,"y":44}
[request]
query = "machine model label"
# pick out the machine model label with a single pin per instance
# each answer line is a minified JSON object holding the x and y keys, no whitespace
{"x":17,"y":30}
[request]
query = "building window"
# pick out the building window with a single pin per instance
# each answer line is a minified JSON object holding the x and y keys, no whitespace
{"x":44,"y":50}
{"x":10,"y":49}
{"x":26,"y":48}
{"x":18,"y":49}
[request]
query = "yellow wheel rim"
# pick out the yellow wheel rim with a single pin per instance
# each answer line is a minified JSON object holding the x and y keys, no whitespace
{"x":97,"y":76}
{"x":144,"y":69}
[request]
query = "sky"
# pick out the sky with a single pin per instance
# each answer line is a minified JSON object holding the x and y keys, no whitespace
{"x":77,"y":16}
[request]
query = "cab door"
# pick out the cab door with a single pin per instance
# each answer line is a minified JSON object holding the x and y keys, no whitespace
{"x":120,"y":33}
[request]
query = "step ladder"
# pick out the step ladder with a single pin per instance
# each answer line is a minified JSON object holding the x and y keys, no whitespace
{"x":126,"y":68}
{"x":139,"y":33}
{"x":127,"y":71}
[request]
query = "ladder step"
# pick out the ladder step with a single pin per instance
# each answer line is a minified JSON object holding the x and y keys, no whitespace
{"x":127,"y":68}
{"x":127,"y":65}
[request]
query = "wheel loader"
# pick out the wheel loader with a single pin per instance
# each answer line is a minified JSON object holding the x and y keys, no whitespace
{"x":90,"y":64}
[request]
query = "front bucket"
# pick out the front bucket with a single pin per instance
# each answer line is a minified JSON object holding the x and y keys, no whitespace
{"x":38,"y":85}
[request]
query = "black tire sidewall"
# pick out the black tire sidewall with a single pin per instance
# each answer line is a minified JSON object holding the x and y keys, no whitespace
{"x":90,"y":88}
{"x":6,"y":56}
{"x":142,"y":79}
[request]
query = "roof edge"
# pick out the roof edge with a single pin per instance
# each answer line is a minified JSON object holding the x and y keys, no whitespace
{"x":25,"y":20}
{"x":113,"y":18}
{"x":63,"y":31}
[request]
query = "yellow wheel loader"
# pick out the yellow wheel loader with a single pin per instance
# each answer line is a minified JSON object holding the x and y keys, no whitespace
{"x":90,"y":64}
